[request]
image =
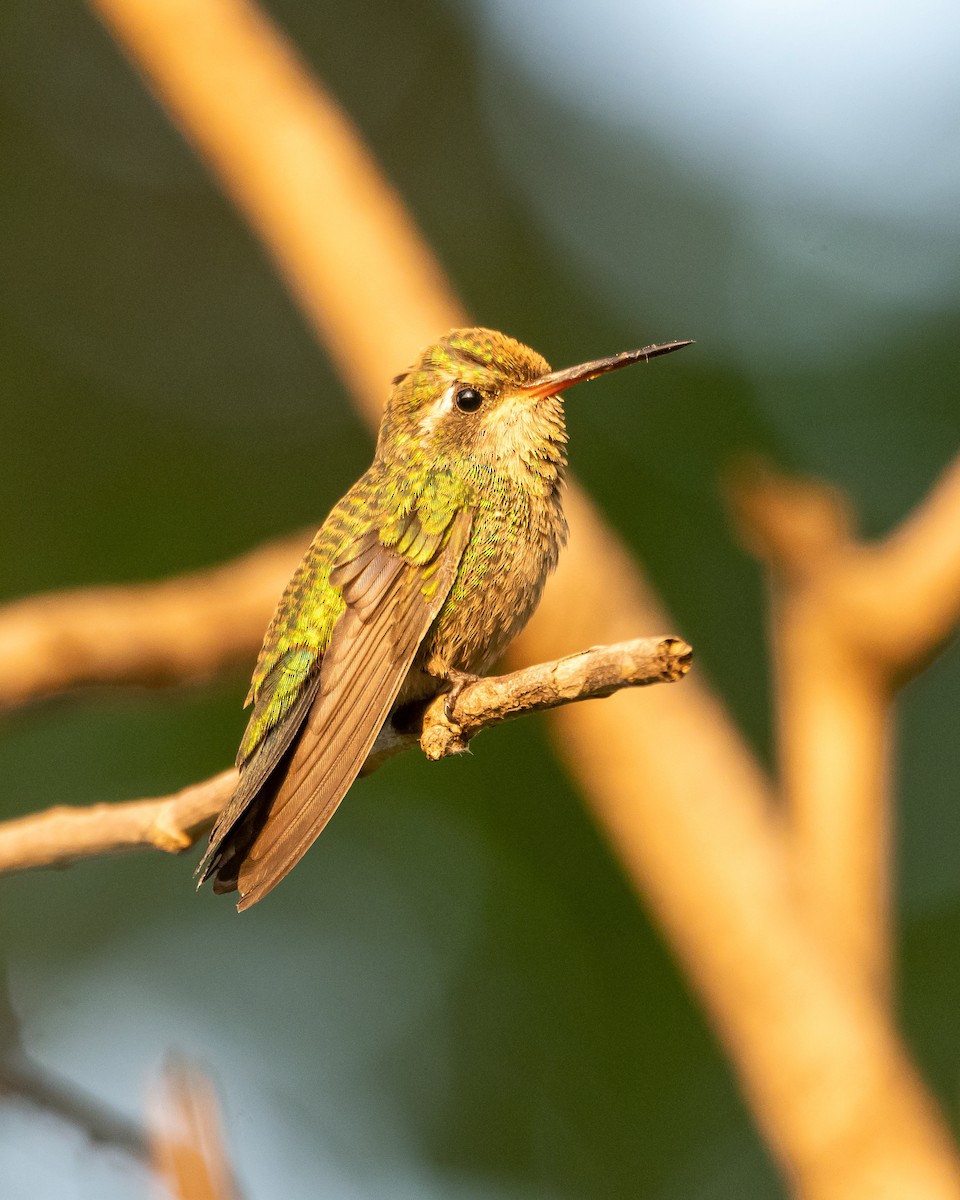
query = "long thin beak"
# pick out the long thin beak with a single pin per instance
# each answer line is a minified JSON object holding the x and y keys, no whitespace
{"x":559,"y":381}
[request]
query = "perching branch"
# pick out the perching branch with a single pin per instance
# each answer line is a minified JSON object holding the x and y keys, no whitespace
{"x":589,"y":675}
{"x":62,"y":835}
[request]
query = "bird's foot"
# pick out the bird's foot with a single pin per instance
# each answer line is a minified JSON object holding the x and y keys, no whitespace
{"x":458,"y":681}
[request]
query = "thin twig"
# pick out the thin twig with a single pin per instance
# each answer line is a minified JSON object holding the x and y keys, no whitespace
{"x":61,"y":836}
{"x":22,"y":1079}
{"x":64,"y":835}
{"x":25,"y":1081}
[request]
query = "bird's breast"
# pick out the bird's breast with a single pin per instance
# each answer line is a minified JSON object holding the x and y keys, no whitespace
{"x":513,"y":547}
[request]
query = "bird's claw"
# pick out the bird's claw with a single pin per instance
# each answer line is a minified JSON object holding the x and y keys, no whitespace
{"x":458,"y":681}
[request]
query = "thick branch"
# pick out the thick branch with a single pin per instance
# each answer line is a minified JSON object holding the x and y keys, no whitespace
{"x":185,"y":628}
{"x":849,"y":622}
{"x":284,"y":152}
{"x":896,"y":601}
{"x":908,"y":586}
{"x":61,"y":836}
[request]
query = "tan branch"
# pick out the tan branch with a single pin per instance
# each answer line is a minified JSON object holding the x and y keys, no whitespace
{"x":589,"y":675}
{"x":181,"y":629}
{"x":285,"y":153}
{"x":904,"y":594}
{"x":831,"y":1085}
{"x":898,"y":599}
{"x":61,"y":836}
{"x":849,"y":621}
{"x":186,"y":1137}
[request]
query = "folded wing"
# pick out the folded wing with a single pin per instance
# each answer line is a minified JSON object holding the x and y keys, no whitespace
{"x":393,"y":582}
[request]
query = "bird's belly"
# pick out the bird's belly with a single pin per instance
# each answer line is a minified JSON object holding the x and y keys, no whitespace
{"x":497,"y":588}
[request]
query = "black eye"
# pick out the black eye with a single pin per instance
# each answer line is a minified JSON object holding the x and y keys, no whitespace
{"x":468,"y":400}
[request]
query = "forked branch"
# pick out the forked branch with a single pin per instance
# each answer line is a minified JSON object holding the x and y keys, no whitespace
{"x":851,"y":620}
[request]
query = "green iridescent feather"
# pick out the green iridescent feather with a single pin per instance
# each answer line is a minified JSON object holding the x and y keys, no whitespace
{"x":411,"y":522}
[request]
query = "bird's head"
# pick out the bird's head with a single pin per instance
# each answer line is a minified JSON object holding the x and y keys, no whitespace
{"x":478,"y":396}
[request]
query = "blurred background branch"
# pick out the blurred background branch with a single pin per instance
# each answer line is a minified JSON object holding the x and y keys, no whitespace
{"x":26,"y":1082}
{"x":182,"y":1142}
{"x":176,"y":631}
{"x":186,"y":1137}
{"x":850,"y":623}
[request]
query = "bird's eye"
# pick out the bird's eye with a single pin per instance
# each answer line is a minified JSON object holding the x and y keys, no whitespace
{"x":468,"y":399}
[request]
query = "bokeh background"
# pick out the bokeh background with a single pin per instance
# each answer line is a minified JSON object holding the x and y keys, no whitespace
{"x":457,"y":995}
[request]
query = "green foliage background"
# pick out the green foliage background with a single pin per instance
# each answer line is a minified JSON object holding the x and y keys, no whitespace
{"x":456,"y":995}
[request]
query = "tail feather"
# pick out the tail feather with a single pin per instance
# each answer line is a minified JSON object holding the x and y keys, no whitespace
{"x":246,"y":812}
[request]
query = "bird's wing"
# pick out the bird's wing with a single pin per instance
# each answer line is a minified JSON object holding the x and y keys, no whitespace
{"x":284,"y":685}
{"x":394,"y":581}
{"x":274,"y":724}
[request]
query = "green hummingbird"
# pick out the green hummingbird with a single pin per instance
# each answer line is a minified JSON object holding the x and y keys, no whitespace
{"x":416,"y":582}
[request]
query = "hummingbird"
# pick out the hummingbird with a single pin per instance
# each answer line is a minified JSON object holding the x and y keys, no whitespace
{"x":415,"y":584}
